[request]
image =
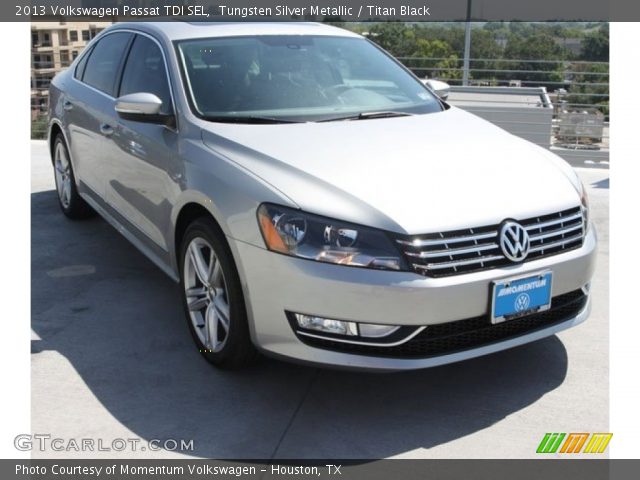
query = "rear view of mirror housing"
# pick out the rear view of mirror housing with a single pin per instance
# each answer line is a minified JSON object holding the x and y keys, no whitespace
{"x":441,"y":89}
{"x":142,"y":107}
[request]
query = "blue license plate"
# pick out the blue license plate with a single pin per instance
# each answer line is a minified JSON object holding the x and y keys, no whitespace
{"x":520,"y":296}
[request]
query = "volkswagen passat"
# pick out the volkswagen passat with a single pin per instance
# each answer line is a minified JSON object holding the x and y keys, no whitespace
{"x":315,"y":200}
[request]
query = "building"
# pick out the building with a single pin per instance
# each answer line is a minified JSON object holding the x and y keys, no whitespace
{"x":54,"y":45}
{"x":574,"y":45}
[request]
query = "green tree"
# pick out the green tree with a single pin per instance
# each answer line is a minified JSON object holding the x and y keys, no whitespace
{"x":539,"y":46}
{"x":521,"y":29}
{"x":590,"y":87}
{"x":436,"y":60}
{"x":395,"y":37}
{"x":484,"y":44}
{"x":595,"y":46}
{"x":39,"y":127}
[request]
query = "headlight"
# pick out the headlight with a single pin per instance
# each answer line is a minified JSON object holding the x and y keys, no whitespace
{"x":584,"y":200}
{"x":303,"y":235}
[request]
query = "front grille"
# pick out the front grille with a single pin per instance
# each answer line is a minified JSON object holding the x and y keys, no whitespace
{"x":475,"y":249}
{"x":452,"y":337}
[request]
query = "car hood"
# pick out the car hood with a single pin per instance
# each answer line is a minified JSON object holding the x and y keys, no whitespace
{"x":414,"y":174}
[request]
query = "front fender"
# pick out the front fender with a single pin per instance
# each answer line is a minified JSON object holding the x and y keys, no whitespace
{"x":230,"y":194}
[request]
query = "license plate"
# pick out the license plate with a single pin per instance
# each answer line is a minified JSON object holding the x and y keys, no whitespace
{"x":515,"y":297}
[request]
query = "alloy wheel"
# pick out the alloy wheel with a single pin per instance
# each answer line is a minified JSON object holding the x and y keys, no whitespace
{"x":206,"y":294}
{"x":63,"y":175}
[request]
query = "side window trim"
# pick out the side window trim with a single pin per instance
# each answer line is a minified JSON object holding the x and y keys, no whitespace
{"x":164,"y":62}
{"x":89,"y":51}
{"x":120,"y":76}
{"x":123,"y":62}
{"x":82,"y":62}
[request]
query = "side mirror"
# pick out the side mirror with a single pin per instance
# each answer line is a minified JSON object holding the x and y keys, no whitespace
{"x":441,"y":89}
{"x":142,"y":107}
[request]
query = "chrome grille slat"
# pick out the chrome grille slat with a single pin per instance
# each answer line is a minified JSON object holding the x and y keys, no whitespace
{"x":430,"y":242}
{"x":555,"y":233}
{"x":460,"y":263}
{"x":550,"y":223}
{"x":559,"y":243}
{"x":455,"y":251}
{"x":475,"y":249}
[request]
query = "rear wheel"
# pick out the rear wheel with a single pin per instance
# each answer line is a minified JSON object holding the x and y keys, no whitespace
{"x":212,"y":297}
{"x":71,"y":203}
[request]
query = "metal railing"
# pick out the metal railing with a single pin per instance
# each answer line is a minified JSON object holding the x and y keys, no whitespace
{"x":578,"y":92}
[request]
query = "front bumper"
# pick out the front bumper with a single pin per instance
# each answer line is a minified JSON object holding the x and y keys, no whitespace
{"x":275,"y":283}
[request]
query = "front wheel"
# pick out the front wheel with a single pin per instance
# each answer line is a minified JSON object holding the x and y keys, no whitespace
{"x":212,"y":297}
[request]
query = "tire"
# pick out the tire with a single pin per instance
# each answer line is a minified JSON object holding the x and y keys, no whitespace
{"x":214,"y":305}
{"x":70,"y":201}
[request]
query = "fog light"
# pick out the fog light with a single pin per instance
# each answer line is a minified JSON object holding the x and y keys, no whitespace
{"x":327,"y":325}
{"x":341,"y":327}
{"x":375,"y":331}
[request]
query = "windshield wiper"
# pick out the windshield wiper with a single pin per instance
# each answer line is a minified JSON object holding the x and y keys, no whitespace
{"x":368,"y":115}
{"x":247,"y":119}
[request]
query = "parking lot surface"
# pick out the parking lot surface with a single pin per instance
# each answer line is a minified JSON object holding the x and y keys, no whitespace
{"x":112,"y":359}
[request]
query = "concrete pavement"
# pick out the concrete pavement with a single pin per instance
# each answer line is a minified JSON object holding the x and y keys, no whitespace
{"x":112,"y":358}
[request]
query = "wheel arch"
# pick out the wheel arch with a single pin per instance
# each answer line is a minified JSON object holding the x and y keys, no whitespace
{"x":55,"y":129}
{"x":193,"y":206}
{"x":187,"y":214}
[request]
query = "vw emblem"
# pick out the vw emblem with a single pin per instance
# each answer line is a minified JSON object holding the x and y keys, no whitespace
{"x":514,"y":241}
{"x":522,"y":302}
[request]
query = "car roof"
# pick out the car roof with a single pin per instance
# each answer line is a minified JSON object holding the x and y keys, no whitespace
{"x":173,"y":30}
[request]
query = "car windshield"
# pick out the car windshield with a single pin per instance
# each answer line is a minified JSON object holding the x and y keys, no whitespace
{"x":300,"y":78}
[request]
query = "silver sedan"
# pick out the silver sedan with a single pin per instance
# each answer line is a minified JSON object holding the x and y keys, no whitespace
{"x":315,"y":200}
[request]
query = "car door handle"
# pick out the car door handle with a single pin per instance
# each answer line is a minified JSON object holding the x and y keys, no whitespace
{"x":67,"y":105}
{"x":106,"y":130}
